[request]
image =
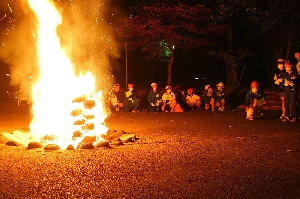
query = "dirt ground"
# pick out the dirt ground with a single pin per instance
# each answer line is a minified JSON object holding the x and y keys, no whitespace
{"x":199,"y":154}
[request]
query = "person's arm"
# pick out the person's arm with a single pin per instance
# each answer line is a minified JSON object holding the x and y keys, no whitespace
{"x":248,"y":97}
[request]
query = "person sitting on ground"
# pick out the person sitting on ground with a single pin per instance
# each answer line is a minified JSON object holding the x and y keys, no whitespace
{"x":116,"y":99}
{"x":193,"y":100}
{"x":154,"y":99}
{"x":255,"y":99}
{"x":220,"y":96}
{"x":168,"y":99}
{"x":131,"y":101}
{"x":290,"y":84}
{"x":180,"y":97}
{"x":278,"y":79}
{"x":297,"y":56}
{"x":208,"y":98}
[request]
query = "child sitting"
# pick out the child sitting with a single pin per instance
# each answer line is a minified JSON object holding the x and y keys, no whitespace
{"x":193,"y":100}
{"x":258,"y":99}
{"x":130,"y":100}
{"x":208,"y":98}
{"x":220,"y":95}
{"x":168,"y":99}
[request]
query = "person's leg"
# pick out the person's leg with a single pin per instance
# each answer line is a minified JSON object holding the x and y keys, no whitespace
{"x":293,"y":104}
{"x":218,"y":105}
{"x":282,"y":106}
{"x":287,"y":104}
{"x":223,"y":104}
{"x":135,"y":104}
{"x":254,"y":104}
{"x":206,"y":106}
{"x":212,"y":103}
{"x":198,"y":103}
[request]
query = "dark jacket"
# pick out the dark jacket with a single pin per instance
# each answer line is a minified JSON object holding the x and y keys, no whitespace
{"x":250,"y":96}
{"x":280,"y":75}
{"x":154,"y":96}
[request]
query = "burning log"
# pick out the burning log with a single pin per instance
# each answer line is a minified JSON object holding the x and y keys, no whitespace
{"x":34,"y":145}
{"x":79,"y":99}
{"x":85,"y":146}
{"x":127,"y":138}
{"x":89,"y":117}
{"x":12,"y":143}
{"x":52,"y":147}
{"x":79,"y":122}
{"x":89,"y":104}
{"x":88,"y":139}
{"x":117,"y":142}
{"x":77,"y":134}
{"x":70,"y":147}
{"x":48,"y":138}
{"x":112,"y":135}
{"x":102,"y":143}
{"x":76,"y":112}
{"x":88,"y":127}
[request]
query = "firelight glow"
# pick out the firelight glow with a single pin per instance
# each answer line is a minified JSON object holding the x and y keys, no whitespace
{"x":58,"y":86}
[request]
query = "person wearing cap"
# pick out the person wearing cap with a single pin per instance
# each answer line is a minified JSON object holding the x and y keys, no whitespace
{"x":255,"y":99}
{"x":278,"y":80}
{"x":297,"y":56}
{"x":154,"y":99}
{"x":169,"y":101}
{"x":193,"y":100}
{"x":208,"y":98}
{"x":290,"y":83}
{"x":220,"y":96}
{"x":116,"y":99}
{"x":131,"y":101}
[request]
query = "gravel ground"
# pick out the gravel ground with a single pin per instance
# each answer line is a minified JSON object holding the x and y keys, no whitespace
{"x":200,"y":154}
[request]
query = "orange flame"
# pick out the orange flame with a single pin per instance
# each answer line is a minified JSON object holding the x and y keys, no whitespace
{"x":58,"y":85}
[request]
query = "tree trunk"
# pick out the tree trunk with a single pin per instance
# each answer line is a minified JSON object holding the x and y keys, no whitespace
{"x":230,"y":34}
{"x":231,"y":75}
{"x":171,"y":61}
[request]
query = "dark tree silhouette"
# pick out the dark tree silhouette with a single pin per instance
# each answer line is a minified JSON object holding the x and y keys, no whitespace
{"x":160,"y":28}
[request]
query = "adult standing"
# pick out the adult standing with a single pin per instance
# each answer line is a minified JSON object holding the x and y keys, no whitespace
{"x":290,"y":79}
{"x":278,"y":80}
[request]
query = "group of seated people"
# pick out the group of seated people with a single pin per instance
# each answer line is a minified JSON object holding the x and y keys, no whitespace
{"x":170,"y":100}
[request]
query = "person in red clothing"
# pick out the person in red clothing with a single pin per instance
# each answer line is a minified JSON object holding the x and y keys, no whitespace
{"x":255,"y":99}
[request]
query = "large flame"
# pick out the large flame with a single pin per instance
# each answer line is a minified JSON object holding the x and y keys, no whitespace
{"x":58,"y":85}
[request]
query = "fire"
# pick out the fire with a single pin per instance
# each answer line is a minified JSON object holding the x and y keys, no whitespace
{"x":58,"y":85}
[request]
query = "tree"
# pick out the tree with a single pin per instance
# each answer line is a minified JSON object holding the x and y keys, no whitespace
{"x":160,"y":28}
{"x":232,"y":13}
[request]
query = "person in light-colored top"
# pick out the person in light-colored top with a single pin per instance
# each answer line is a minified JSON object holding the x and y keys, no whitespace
{"x":168,"y":99}
{"x":193,"y":100}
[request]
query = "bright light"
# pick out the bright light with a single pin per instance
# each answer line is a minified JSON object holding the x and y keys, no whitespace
{"x":196,"y":78}
{"x":58,"y":86}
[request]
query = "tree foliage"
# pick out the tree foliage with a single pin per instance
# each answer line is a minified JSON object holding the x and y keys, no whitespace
{"x":181,"y":26}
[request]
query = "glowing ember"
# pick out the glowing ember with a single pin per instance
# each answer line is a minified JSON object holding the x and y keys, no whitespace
{"x":54,"y":93}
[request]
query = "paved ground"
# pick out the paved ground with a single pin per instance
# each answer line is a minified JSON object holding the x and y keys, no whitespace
{"x":178,"y":155}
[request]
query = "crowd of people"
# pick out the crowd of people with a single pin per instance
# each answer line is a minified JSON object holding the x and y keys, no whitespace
{"x":169,"y":100}
{"x":287,"y":81}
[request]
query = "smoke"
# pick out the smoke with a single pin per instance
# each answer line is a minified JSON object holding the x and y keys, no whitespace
{"x":85,"y":33}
